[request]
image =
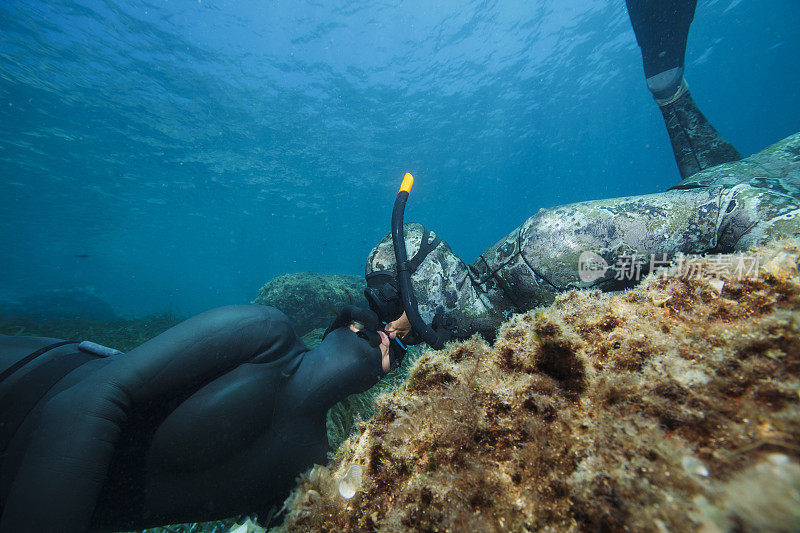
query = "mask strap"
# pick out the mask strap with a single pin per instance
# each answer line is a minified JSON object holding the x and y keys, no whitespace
{"x":425,"y":248}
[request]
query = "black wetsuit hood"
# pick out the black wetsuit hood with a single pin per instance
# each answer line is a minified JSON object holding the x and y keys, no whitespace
{"x":341,"y":365}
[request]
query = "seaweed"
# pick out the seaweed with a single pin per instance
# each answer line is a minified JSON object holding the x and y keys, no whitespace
{"x":660,"y":408}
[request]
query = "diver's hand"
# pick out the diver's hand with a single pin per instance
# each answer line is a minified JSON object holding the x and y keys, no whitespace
{"x":444,"y":325}
{"x":367,"y":326}
{"x":366,"y":323}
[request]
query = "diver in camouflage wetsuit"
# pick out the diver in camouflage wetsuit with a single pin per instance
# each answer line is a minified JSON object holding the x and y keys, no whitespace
{"x":723,"y":204}
{"x":727,"y":208}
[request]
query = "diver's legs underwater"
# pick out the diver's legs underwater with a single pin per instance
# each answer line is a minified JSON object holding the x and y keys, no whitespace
{"x":661,"y":28}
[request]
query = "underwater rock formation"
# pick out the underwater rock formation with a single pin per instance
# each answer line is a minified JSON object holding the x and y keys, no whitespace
{"x":123,"y":333}
{"x":308,"y":299}
{"x":61,"y":303}
{"x":674,"y":406}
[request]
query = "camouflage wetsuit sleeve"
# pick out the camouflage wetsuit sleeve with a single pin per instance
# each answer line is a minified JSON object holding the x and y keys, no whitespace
{"x":723,"y":209}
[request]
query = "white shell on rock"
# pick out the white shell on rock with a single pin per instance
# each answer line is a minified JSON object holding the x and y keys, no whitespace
{"x":716,"y":285}
{"x":351,"y":482}
{"x":778,"y":459}
{"x":695,"y":466}
{"x":247,"y":527}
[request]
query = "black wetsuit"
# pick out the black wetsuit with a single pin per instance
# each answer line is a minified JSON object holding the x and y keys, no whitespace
{"x":213,"y":418}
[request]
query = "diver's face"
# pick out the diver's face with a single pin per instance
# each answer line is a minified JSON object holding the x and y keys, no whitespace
{"x":385,"y":361}
{"x":398,"y":328}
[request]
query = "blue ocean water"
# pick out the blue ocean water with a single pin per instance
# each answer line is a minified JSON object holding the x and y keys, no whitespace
{"x":179,"y":154}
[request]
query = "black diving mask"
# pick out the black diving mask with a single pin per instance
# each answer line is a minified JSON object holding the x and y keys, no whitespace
{"x":383,"y":295}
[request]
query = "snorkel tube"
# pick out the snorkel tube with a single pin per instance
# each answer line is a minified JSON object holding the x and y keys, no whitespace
{"x":407,"y":295}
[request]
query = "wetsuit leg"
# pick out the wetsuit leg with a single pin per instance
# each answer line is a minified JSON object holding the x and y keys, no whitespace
{"x":662,"y":28}
{"x":14,"y":351}
{"x":697,"y":145}
{"x":68,"y":454}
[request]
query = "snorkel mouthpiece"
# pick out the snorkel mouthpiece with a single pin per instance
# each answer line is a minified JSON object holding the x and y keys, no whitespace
{"x":407,"y":294}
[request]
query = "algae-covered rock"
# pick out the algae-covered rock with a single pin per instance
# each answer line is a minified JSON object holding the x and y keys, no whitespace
{"x":122,"y":333}
{"x":309,"y":299}
{"x":79,"y":303}
{"x":313,"y":337}
{"x":674,"y":406}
